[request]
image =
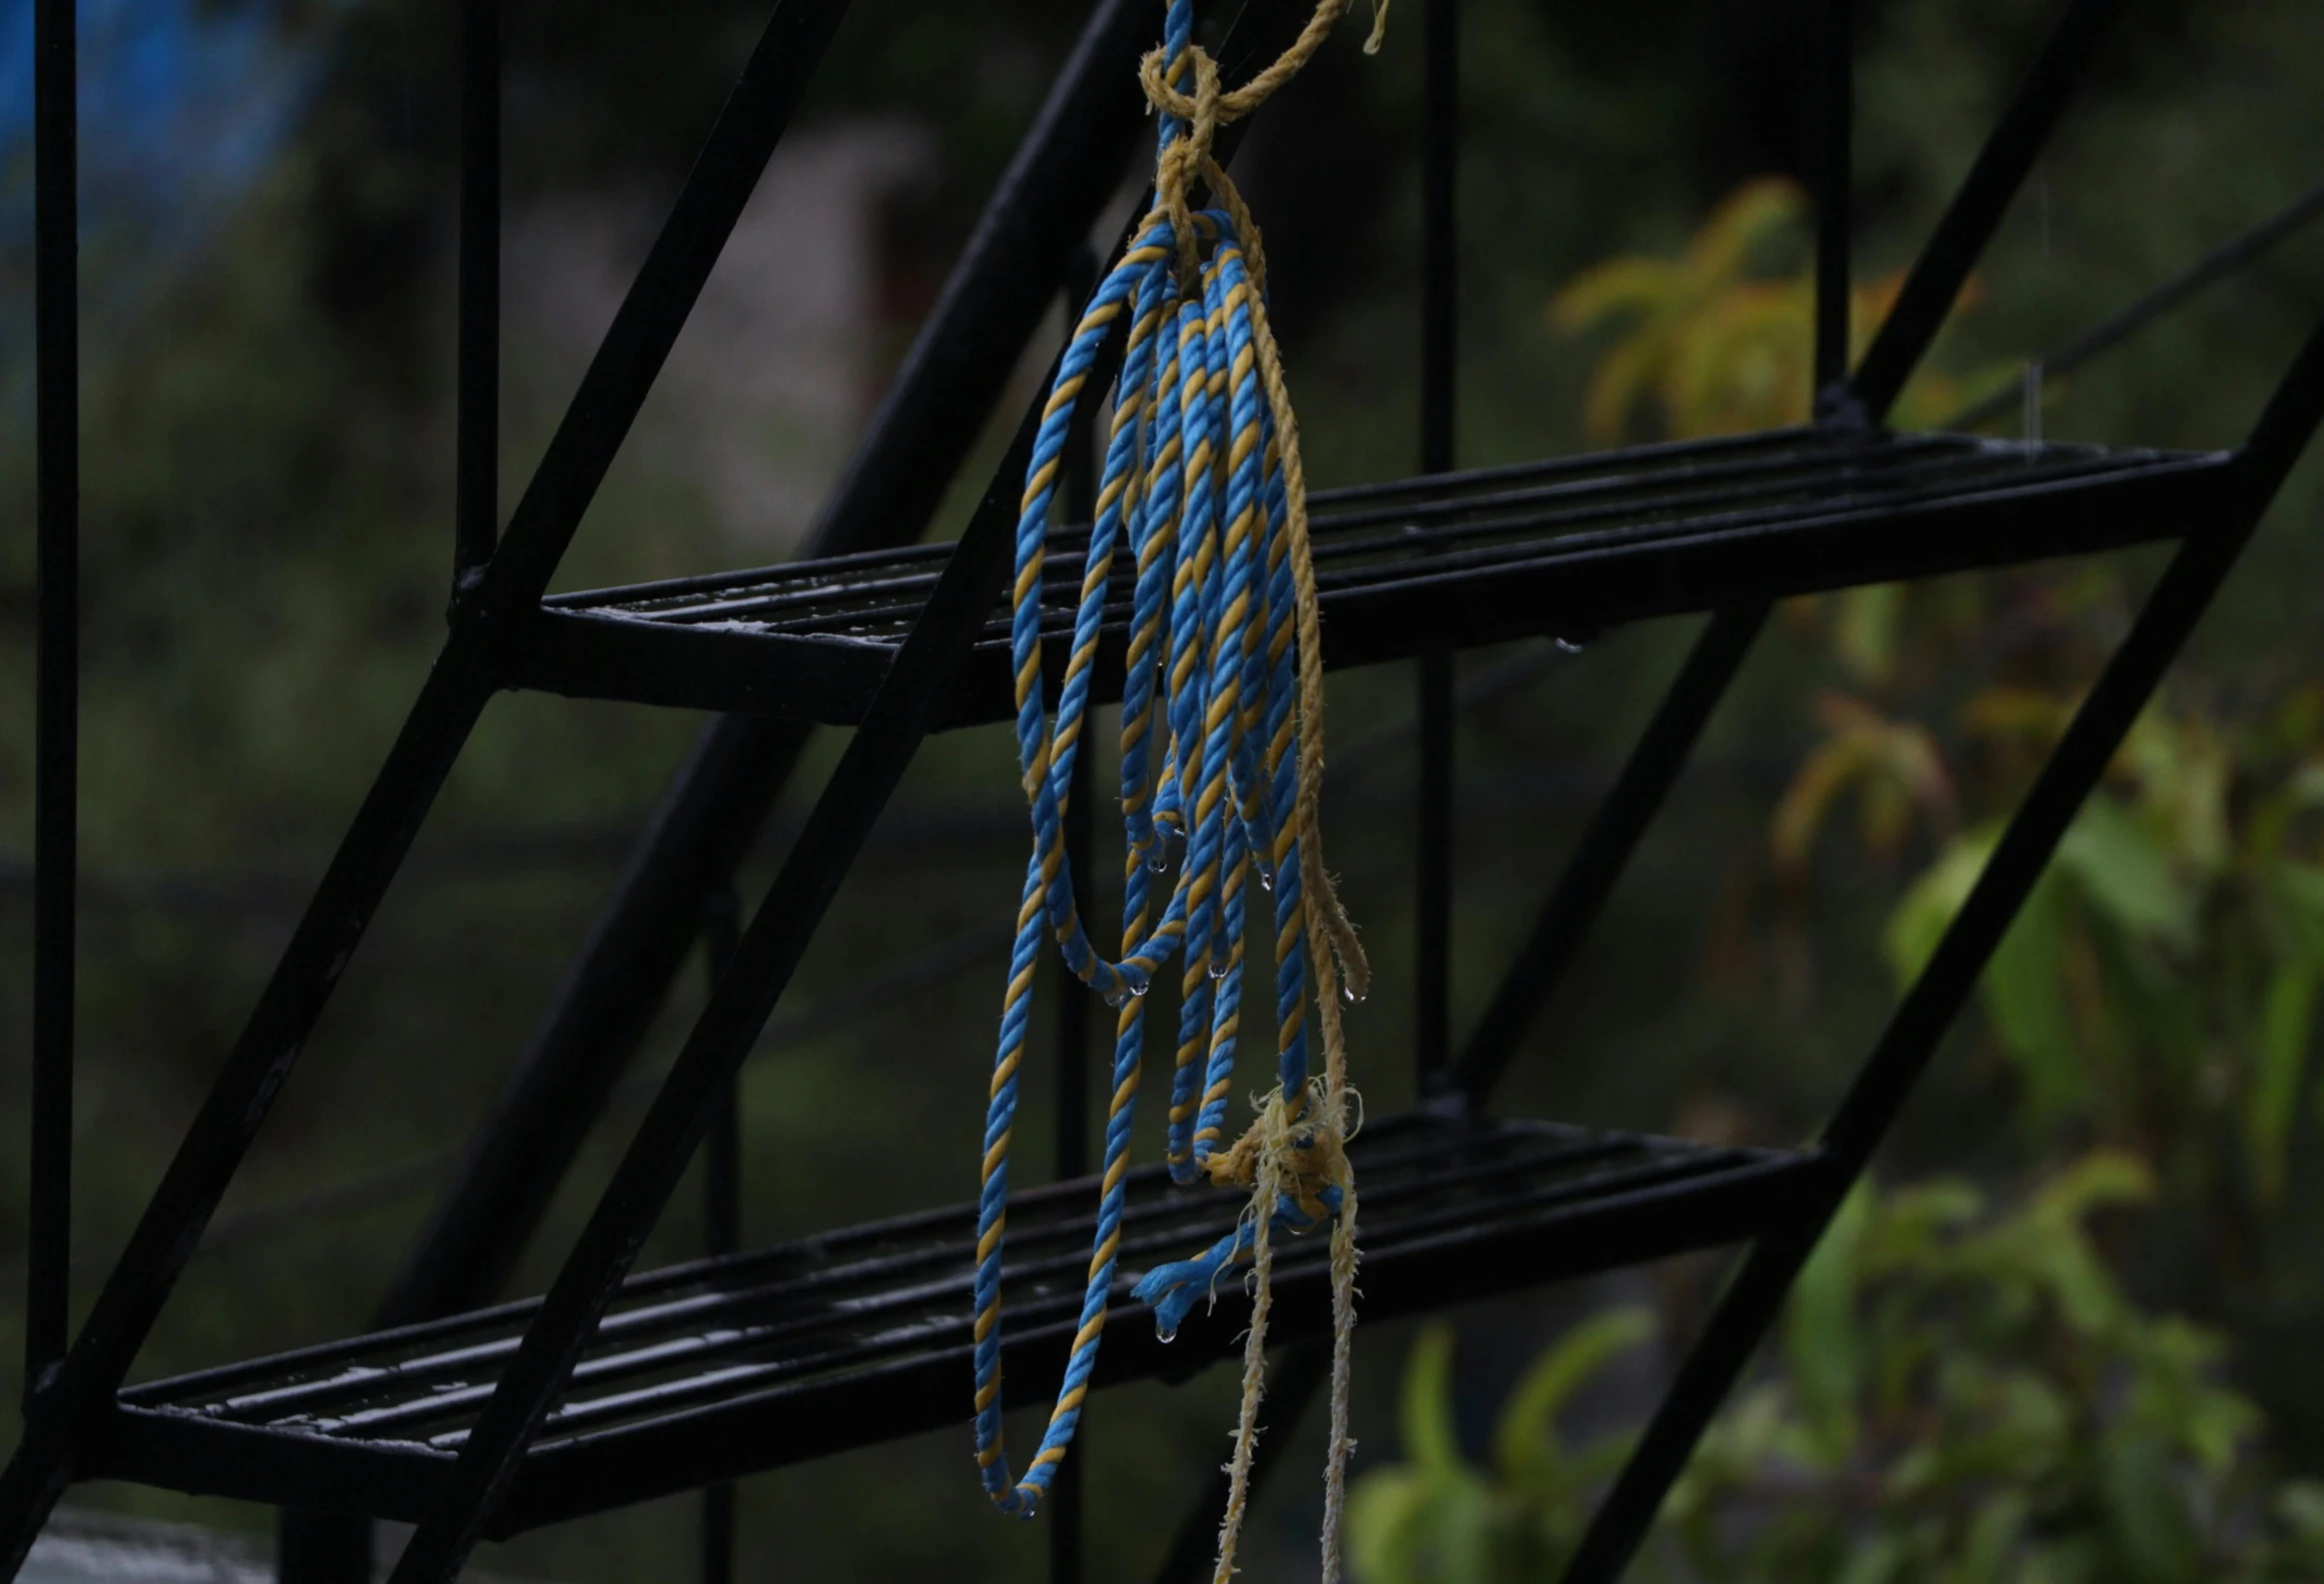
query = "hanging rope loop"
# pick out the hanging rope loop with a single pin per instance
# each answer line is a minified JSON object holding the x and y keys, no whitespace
{"x":1222,"y":753}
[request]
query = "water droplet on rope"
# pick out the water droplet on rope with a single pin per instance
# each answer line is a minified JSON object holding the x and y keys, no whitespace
{"x":1267,"y":877}
{"x":1167,"y":841}
{"x":1347,"y":993}
{"x":1138,"y":988}
{"x":1166,"y":1337}
{"x":1219,"y":969}
{"x":1117,"y":997}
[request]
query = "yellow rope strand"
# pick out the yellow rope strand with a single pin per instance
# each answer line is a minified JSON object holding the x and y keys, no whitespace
{"x":1293,"y":1159}
{"x":1268,"y":1160}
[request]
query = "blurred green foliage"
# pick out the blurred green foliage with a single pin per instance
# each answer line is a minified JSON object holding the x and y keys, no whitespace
{"x":1437,"y":1516}
{"x":1961,"y":1397}
{"x":267,"y":541}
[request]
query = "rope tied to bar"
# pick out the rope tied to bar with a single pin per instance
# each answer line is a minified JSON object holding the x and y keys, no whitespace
{"x":1221,"y":766}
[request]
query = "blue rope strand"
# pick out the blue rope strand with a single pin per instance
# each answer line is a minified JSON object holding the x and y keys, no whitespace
{"x":1192,"y":490}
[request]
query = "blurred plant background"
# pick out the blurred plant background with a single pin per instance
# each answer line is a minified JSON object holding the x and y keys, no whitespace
{"x":2074,"y":1336}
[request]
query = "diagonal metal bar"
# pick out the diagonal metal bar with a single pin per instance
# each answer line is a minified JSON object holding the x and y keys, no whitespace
{"x":2117,"y":327}
{"x":882,"y":749}
{"x":1968,"y":224}
{"x":1613,"y":834}
{"x":877,"y":756}
{"x":484,"y":626}
{"x":1928,"y":1008}
{"x":1573,"y":905}
{"x":1064,"y":174}
{"x":656,"y":307}
{"x":1621,"y":821}
{"x":237,"y":1102}
{"x":1067,"y":169}
{"x":696,"y":836}
{"x":57,"y":666}
{"x":335,"y":1548}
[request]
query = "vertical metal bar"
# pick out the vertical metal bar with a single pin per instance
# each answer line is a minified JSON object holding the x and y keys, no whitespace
{"x":1751,"y":1301}
{"x":56,"y":665}
{"x":1302,"y":1370}
{"x":1065,"y":1508}
{"x":1621,"y":820}
{"x":1978,"y":208}
{"x":476,"y":466}
{"x":1613,"y":834}
{"x":451,"y":700}
{"x":332,"y":1547}
{"x":1064,"y":174}
{"x":1928,"y":1008}
{"x":722,"y":1213}
{"x":1831,"y":53}
{"x":875,"y":760}
{"x":598,"y":1014}
{"x":1439,"y":373}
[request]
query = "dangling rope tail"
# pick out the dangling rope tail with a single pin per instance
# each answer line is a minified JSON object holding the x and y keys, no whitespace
{"x":1221,"y":751}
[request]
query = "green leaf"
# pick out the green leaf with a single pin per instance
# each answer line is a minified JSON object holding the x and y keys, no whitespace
{"x":2297,"y":889}
{"x":2025,"y":995}
{"x":2053,"y":1246}
{"x":1929,"y":902}
{"x":1879,"y":1558}
{"x":1524,"y":1442}
{"x":2102,"y":1179}
{"x":2126,"y":876}
{"x":2154,"y":1535}
{"x":1385,"y":1507}
{"x":2300,"y":1508}
{"x":1867,"y":630}
{"x":1994,"y":1533}
{"x":1821,"y":1332}
{"x":1414,"y":1525}
{"x":1430,"y":1439}
{"x":2024,"y":983}
{"x":2287,"y":1029}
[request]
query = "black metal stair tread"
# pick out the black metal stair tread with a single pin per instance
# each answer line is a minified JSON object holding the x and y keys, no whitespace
{"x":720,"y":1367}
{"x":1418,"y":565}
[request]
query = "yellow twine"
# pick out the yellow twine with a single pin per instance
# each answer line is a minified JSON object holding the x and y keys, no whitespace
{"x":1295,"y":1146}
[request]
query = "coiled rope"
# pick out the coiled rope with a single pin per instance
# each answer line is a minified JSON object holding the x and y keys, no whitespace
{"x":1223,"y":661}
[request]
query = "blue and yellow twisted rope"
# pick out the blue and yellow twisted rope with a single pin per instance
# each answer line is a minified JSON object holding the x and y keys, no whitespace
{"x":1201,"y":483}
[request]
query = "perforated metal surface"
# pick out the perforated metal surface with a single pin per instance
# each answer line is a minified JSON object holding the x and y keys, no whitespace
{"x":871,"y":1325}
{"x":1564,"y":546}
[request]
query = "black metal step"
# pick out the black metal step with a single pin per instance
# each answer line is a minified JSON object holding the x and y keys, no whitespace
{"x":1568,"y":546}
{"x":720,"y":1367}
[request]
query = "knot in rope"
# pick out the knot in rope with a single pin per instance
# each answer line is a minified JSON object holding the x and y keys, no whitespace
{"x":1222,"y":761}
{"x":1292,"y":1160}
{"x":1183,"y":159}
{"x":1302,"y":1149}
